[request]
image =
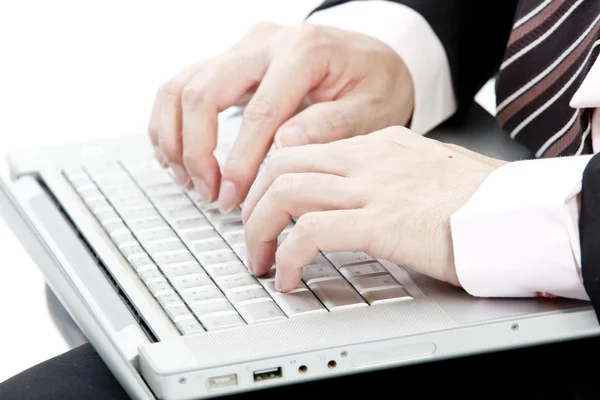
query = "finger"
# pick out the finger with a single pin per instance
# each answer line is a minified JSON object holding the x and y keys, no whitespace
{"x":293,"y":195}
{"x":325,"y":159}
{"x":211,"y":91}
{"x":285,"y":85}
{"x":323,"y":123}
{"x":153,"y":134}
{"x":169,"y":123}
{"x":338,"y":230}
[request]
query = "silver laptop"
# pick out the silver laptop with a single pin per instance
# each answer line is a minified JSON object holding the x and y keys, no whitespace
{"x":156,"y":280}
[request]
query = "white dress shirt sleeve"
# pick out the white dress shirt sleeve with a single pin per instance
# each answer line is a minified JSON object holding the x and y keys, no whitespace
{"x":409,"y":34}
{"x":519,"y":233}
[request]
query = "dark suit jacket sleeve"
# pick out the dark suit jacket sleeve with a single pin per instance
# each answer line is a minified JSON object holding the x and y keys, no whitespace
{"x":474,"y":35}
{"x":589,"y":231}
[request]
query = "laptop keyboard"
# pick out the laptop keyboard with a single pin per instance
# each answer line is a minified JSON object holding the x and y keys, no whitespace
{"x":192,"y":258}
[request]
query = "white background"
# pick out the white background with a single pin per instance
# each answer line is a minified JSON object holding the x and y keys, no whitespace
{"x":78,"y":70}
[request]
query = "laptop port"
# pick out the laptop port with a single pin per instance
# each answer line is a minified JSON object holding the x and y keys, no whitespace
{"x":269,"y":373}
{"x":221,"y":382}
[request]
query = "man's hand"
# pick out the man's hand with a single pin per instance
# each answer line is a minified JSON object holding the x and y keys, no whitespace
{"x":389,"y":194}
{"x":356,"y":85}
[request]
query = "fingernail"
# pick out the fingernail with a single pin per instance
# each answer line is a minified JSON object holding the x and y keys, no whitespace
{"x":202,"y":189}
{"x":227,"y":197}
{"x":292,"y":136}
{"x":277,"y":282}
{"x":250,"y":265}
{"x":160,"y":157}
{"x":182,"y":178}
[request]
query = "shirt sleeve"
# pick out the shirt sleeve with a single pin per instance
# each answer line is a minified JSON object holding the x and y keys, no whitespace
{"x":410,"y":35}
{"x":518,"y":234}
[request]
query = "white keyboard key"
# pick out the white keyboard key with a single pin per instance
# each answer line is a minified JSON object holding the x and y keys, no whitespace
{"x":233,"y":225}
{"x":141,"y":261}
{"x":348,"y":257}
{"x":106,"y":215}
{"x":207,"y":246}
{"x":205,"y":207}
{"x":185,"y":282}
{"x":152,"y":235}
{"x":246,"y":294}
{"x":240,"y":251}
{"x":176,"y":257}
{"x":90,"y":193}
{"x":131,"y":250}
{"x":214,"y":306}
{"x":222,"y":321}
{"x":337,"y":294}
{"x":231,"y":268}
{"x":216,"y":257}
{"x":299,"y":303}
{"x":200,"y":294}
{"x":370,"y":282}
{"x":167,"y":299}
{"x":199,"y":235}
{"x":383,"y":296}
{"x":234,"y":238}
{"x":139,"y":213}
{"x":178,"y":311}
{"x":126,"y":202}
{"x":215,"y":216}
{"x":182,"y":213}
{"x":242,"y":280}
{"x":313,"y":273}
{"x":177,"y":270}
{"x":162,"y":190}
{"x":189,"y":326}
{"x":195,"y":223}
{"x":158,"y":287}
{"x":123,"y":239}
{"x":357,"y":270}
{"x":194,"y":195}
{"x":115,"y":227}
{"x":149,"y":275}
{"x":172,"y":201}
{"x":145,"y":224}
{"x":163,"y":246}
{"x":261,"y":311}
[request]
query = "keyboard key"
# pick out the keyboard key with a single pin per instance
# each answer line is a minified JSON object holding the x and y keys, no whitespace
{"x":167,"y":299}
{"x":184,"y":282}
{"x":199,"y":235}
{"x":189,"y":326}
{"x":336,"y":294}
{"x":131,"y":250}
{"x":162,"y":190}
{"x":145,"y":224}
{"x":123,"y":239}
{"x":216,"y":321}
{"x":348,"y":257}
{"x":313,"y":273}
{"x":357,"y":270}
{"x":107,"y":215}
{"x":242,"y":280}
{"x":224,"y":269}
{"x":159,"y":287}
{"x":365,"y":283}
{"x":185,"y":212}
{"x":176,"y":257}
{"x":269,"y":285}
{"x":149,"y":275}
{"x":185,"y":269}
{"x":216,"y":257}
{"x":234,"y":225}
{"x":163,"y":246}
{"x":200,"y":294}
{"x":115,"y":227}
{"x":214,"y":306}
{"x":261,"y":311}
{"x":140,"y":261}
{"x":237,"y":296}
{"x":383,"y":296}
{"x":207,"y":246}
{"x":172,"y":201}
{"x":151,"y":235}
{"x":131,"y":214}
{"x":178,"y":311}
{"x":194,"y":223}
{"x":299,"y":303}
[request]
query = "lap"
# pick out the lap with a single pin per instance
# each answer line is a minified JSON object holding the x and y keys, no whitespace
{"x":563,"y":370}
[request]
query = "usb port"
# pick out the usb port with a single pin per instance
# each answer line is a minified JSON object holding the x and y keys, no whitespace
{"x":221,"y":382}
{"x":269,"y":373}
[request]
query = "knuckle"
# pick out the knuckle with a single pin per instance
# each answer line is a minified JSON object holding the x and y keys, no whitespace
{"x":169,"y":89}
{"x":192,"y":96}
{"x":261,"y":28}
{"x":259,"y":110}
{"x":308,"y":224}
{"x":282,"y":186}
{"x":312,"y":39}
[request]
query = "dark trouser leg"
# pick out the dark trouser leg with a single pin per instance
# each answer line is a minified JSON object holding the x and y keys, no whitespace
{"x":565,"y":371}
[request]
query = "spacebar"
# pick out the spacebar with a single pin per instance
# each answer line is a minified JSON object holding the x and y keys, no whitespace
{"x":337,"y":294}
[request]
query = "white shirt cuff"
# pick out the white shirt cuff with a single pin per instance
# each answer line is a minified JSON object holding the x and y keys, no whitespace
{"x":518,"y":234}
{"x":409,"y":34}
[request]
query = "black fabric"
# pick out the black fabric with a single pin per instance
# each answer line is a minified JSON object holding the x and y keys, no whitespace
{"x":589,"y":231}
{"x":547,"y":372}
{"x":474,"y":35}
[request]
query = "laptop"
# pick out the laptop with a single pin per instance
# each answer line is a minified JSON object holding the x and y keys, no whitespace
{"x":156,"y":280}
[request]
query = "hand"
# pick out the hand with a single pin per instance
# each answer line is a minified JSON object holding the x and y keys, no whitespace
{"x":389,"y":194}
{"x":357,"y":84}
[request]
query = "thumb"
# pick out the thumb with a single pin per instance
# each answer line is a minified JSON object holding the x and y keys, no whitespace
{"x":320,"y":123}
